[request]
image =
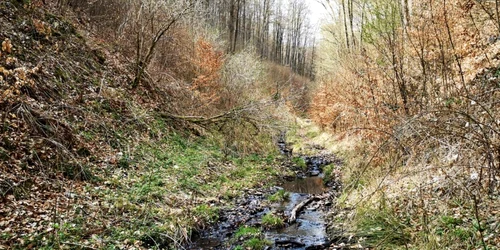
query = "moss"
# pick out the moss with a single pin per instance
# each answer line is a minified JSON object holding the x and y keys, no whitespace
{"x":300,"y":162}
{"x":328,"y":172}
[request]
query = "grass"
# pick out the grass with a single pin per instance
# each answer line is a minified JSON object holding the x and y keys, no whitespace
{"x":256,"y":243}
{"x":299,"y":162}
{"x":159,"y":190}
{"x":416,"y":216}
{"x":272,"y":221}
{"x":245,"y":232}
{"x":451,"y":229}
{"x":207,"y":213}
{"x":328,"y":172}
{"x":312,"y":134}
{"x":381,"y":227}
{"x":280,"y":196}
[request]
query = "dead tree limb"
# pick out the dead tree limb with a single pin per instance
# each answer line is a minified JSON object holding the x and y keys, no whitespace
{"x":299,"y":207}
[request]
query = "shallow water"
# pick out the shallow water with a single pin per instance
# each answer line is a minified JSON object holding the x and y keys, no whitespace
{"x":309,"y":185}
{"x":310,"y":226}
{"x":307,"y":232}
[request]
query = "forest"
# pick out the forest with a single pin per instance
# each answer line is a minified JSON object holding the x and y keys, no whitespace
{"x":250,"y":124}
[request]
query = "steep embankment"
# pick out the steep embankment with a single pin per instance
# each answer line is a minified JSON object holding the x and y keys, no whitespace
{"x":416,"y":84}
{"x":88,"y":162}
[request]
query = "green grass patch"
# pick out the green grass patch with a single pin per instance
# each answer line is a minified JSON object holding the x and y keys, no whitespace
{"x":206,"y":213}
{"x":328,"y":172}
{"x":245,"y":232}
{"x":299,"y":162}
{"x":153,"y":186}
{"x":312,"y":134}
{"x":381,"y":228}
{"x":452,"y":230}
{"x":279,"y":196}
{"x":256,"y":244}
{"x":272,"y":221}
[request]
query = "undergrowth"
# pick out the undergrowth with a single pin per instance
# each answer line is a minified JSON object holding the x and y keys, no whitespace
{"x":106,"y":165}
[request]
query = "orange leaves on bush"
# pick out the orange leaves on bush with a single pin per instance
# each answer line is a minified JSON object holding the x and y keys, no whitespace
{"x":208,"y":62}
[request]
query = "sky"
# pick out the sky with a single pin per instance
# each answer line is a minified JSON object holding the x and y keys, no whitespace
{"x":318,"y":12}
{"x":317,"y":16}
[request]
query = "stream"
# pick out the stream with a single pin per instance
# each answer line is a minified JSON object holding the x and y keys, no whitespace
{"x":308,"y":196}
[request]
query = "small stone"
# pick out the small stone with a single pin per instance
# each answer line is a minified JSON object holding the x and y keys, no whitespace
{"x":314,"y":173}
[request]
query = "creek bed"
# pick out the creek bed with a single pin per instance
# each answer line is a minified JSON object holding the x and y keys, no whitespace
{"x":307,"y":231}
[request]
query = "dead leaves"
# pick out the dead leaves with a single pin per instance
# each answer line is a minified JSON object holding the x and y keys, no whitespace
{"x":209,"y":61}
{"x":12,"y":81}
{"x":7,"y":46}
{"x":42,"y":28}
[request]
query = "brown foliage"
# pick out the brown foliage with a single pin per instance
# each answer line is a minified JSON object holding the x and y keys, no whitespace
{"x":424,"y":95}
{"x":291,"y":87}
{"x":423,"y":87}
{"x":444,"y":47}
{"x":208,"y":63}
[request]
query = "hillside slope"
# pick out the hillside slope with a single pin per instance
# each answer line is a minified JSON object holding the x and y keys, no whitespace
{"x":412,"y":95}
{"x":86,"y":161}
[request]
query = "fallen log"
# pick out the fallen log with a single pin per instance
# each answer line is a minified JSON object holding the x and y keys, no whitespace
{"x":294,"y":243}
{"x":298,"y":208}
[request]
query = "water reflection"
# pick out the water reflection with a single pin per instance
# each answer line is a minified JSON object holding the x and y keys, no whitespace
{"x":310,"y":185}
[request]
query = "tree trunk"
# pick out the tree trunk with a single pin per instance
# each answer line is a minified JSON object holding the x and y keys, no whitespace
{"x":346,"y":30}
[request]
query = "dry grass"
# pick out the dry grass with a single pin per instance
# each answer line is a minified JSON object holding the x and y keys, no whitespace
{"x":425,"y":104}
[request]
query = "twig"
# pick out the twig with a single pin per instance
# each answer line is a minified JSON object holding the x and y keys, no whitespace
{"x":78,"y":245}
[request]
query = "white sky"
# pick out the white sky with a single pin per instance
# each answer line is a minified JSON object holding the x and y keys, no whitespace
{"x":317,"y":16}
{"x":318,"y":12}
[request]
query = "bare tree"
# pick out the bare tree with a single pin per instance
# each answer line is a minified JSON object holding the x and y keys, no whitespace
{"x":149,"y":21}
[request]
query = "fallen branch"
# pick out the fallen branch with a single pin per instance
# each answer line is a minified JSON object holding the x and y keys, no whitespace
{"x":299,"y":207}
{"x":78,"y":245}
{"x":200,"y":119}
{"x":294,"y":243}
{"x":243,"y":114}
